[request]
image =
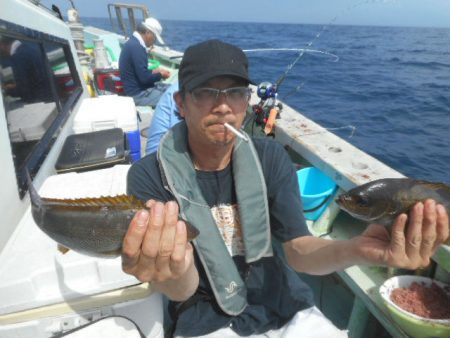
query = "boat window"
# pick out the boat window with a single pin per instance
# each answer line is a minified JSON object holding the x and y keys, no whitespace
{"x":39,"y":86}
{"x":64,"y":81}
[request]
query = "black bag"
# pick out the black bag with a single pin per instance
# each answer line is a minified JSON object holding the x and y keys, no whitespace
{"x":93,"y":150}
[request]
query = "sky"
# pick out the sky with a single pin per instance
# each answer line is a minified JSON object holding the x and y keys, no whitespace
{"x":420,"y":13}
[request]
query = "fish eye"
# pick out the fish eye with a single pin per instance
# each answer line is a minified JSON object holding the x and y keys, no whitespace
{"x":363,"y":201}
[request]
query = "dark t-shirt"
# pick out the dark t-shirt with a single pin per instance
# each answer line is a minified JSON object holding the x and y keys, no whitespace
{"x":274,"y":291}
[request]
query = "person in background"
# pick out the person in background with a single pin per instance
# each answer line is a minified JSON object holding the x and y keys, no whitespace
{"x":165,"y":116}
{"x":29,"y":69}
{"x":139,"y":82}
{"x":233,"y":280}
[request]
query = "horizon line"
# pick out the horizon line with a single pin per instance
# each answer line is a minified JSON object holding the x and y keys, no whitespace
{"x":287,"y":23}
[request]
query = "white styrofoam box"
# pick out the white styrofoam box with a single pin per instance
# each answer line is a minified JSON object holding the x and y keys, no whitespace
{"x":29,"y":122}
{"x":106,"y":112}
{"x":92,"y":317}
{"x":35,"y":274}
{"x":103,"y":182}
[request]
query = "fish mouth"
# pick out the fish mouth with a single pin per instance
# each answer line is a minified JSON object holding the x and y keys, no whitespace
{"x":343,"y":200}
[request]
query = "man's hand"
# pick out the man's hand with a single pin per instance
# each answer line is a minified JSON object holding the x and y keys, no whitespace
{"x":155,"y":249}
{"x":164,"y":73}
{"x":412,"y":241}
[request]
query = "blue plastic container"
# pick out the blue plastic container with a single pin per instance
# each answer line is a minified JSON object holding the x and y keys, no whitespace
{"x":315,"y":188}
{"x":135,"y":157}
{"x":134,"y":143}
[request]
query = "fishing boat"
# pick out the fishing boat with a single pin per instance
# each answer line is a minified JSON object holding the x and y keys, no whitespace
{"x":45,"y":293}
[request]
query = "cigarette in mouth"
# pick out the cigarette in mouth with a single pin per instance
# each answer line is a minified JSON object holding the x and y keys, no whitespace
{"x":236,"y":132}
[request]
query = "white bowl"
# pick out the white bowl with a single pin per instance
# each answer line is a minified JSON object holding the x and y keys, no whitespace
{"x":416,"y":326}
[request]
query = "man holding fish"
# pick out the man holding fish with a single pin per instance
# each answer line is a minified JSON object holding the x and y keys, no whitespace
{"x":242,"y":193}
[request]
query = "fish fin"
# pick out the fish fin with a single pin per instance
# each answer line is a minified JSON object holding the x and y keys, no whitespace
{"x":63,"y":249}
{"x":119,"y":202}
{"x":435,"y":185}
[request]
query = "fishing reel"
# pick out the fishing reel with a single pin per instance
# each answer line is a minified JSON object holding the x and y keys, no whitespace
{"x":266,"y":90}
{"x":267,"y":109}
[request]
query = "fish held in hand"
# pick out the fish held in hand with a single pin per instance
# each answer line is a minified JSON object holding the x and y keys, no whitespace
{"x":381,"y":201}
{"x":91,"y":226}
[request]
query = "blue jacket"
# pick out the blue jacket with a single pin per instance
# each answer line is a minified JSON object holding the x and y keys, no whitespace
{"x":165,"y":117}
{"x":133,"y":63}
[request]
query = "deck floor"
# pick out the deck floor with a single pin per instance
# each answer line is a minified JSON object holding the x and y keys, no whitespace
{"x":335,"y":300}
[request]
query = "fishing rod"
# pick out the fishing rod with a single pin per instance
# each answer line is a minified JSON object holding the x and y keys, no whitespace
{"x":268,"y":109}
{"x":305,"y":50}
{"x":295,"y":90}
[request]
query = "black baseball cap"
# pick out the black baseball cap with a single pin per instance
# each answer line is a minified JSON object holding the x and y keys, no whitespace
{"x":206,"y":60}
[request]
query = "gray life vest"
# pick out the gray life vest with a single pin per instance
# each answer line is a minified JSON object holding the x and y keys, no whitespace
{"x":179,"y":177}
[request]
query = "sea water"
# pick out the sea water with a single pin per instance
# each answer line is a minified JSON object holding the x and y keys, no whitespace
{"x":391,"y":83}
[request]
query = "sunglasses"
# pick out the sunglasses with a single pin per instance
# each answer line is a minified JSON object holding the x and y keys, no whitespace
{"x":235,"y":96}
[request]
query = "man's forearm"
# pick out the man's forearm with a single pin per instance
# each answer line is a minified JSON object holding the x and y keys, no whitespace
{"x":318,"y":256}
{"x":179,"y":289}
